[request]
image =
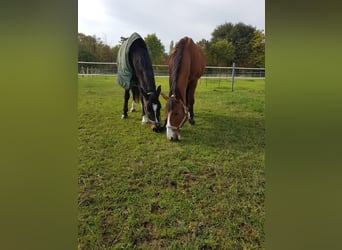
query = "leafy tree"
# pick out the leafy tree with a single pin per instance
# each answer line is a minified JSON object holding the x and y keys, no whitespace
{"x":156,"y":48}
{"x":205,"y":45}
{"x":106,"y":54}
{"x":239,"y":43}
{"x":114,"y":52}
{"x":86,"y":48}
{"x":221,"y":32}
{"x":222,"y":53}
{"x":240,"y":36}
{"x":92,"y":49}
{"x":172,"y":45}
{"x":85,"y":56}
{"x":257,"y":57}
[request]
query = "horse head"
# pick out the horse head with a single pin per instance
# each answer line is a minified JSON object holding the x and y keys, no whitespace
{"x":177,"y":114}
{"x":152,"y":105}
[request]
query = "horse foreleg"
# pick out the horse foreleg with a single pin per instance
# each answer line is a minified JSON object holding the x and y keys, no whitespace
{"x":125,"y":105}
{"x":143,"y":114}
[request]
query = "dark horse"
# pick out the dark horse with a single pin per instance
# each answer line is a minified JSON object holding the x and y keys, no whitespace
{"x":135,"y":73}
{"x":186,"y":66}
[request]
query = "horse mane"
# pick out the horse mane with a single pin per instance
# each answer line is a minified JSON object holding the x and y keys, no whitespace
{"x":176,"y":57}
{"x":171,"y":102}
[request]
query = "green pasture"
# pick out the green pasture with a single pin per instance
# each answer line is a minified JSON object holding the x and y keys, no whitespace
{"x":139,"y":191}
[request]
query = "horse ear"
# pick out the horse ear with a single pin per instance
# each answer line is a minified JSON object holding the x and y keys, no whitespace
{"x":164,"y":96}
{"x":158,"y":90}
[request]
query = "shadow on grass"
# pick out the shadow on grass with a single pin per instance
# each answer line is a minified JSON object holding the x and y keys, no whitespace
{"x":240,"y":133}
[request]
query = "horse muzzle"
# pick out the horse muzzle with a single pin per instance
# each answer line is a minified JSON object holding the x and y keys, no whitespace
{"x":172,"y":134}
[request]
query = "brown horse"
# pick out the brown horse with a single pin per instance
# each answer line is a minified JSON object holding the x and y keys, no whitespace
{"x":186,"y":66}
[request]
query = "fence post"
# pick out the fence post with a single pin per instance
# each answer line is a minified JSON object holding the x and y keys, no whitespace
{"x":206,"y":76}
{"x":219,"y":75}
{"x":233,"y":75}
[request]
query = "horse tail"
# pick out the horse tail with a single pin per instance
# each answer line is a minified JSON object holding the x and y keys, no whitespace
{"x":136,"y":93}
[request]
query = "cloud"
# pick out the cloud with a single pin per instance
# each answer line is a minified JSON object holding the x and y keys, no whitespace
{"x":169,"y":20}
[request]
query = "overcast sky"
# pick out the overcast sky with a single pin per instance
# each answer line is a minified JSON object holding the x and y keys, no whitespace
{"x":168,"y":19}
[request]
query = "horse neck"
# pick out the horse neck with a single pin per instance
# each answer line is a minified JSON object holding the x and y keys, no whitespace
{"x":146,"y":79}
{"x":182,"y":78}
{"x":144,"y":73}
{"x":180,"y":91}
{"x":180,"y":65}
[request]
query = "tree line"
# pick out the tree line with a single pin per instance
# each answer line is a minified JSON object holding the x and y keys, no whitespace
{"x":239,"y":43}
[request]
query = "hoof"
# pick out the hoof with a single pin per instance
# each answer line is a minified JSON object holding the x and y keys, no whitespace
{"x":124,"y":116}
{"x":132,"y":110}
{"x":192,"y":122}
{"x":144,"y":120}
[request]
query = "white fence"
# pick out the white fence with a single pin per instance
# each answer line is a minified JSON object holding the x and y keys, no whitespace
{"x":110,"y":68}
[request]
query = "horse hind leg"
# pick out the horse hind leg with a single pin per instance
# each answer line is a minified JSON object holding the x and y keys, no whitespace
{"x":134,"y":104}
{"x":191,"y":101}
{"x":191,"y":116}
{"x":135,"y":93}
{"x":125,"y":105}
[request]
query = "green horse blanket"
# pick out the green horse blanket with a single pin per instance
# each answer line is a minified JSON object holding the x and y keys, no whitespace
{"x":124,"y":68}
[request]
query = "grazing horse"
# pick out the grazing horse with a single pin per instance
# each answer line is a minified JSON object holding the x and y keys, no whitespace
{"x":186,"y":66}
{"x":135,"y":73}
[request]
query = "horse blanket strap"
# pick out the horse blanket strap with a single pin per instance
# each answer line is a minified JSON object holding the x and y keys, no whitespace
{"x":124,"y":68}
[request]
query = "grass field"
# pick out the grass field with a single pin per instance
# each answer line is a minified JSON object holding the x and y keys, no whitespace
{"x":139,"y":191}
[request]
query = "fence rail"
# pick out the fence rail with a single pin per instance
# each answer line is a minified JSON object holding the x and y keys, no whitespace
{"x":110,"y":68}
